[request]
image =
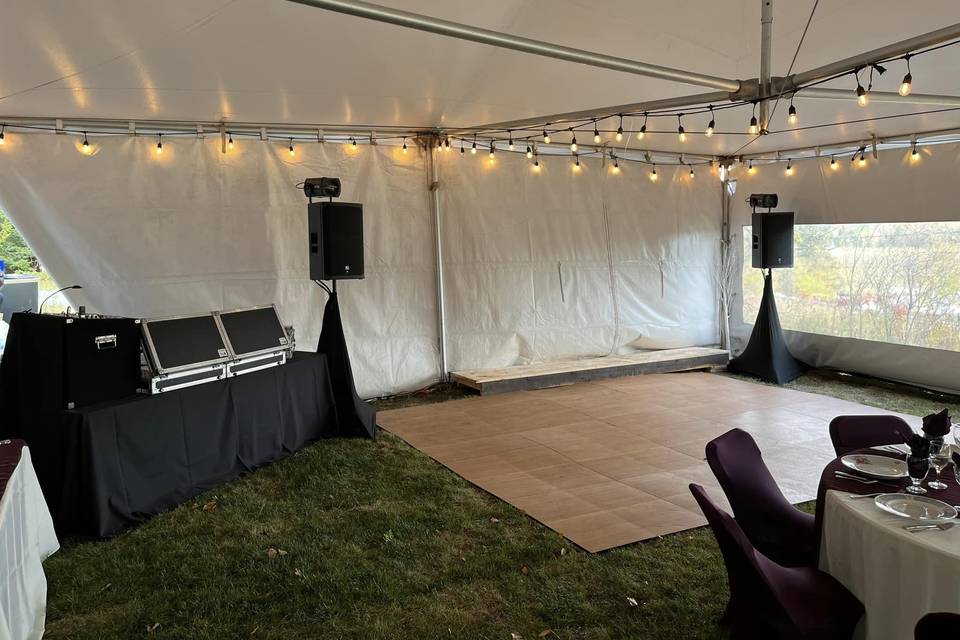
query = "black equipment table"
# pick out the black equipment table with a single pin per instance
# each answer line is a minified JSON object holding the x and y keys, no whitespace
{"x":106,"y":467}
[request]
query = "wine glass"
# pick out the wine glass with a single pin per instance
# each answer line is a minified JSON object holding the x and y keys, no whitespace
{"x":917,"y":467}
{"x":956,"y":433}
{"x":939,"y":458}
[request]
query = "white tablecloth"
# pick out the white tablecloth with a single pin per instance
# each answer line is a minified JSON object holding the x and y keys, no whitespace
{"x":26,"y":539}
{"x":898,"y":576}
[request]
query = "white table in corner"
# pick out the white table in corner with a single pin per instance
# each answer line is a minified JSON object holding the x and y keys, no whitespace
{"x":898,"y":576}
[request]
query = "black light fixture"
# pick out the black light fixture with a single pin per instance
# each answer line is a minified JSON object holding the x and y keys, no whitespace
{"x":754,"y":129}
{"x":861,"y":92}
{"x":792,"y":113}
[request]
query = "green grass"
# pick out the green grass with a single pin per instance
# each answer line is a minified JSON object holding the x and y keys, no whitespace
{"x":379,"y":541}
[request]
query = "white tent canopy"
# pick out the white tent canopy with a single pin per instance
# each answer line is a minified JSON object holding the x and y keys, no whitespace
{"x":537,"y":266}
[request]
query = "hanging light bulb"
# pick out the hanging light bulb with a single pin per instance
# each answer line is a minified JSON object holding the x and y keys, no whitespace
{"x":907,"y":85}
{"x":914,"y":154}
{"x":446,"y":144}
{"x":87,"y":150}
{"x":653,"y":173}
{"x":596,"y":133}
{"x":576,"y":162}
{"x":404,"y":146}
{"x":492,"y":150}
{"x":230,"y":140}
{"x":159,"y":143}
{"x":529,"y":152}
{"x":546,"y":137}
{"x":691,"y":172}
{"x":643,"y":128}
{"x":536,"y":163}
{"x":863,"y":158}
{"x":712,"y":126}
{"x":473,"y":149}
{"x":620,"y":130}
{"x":461,"y":146}
{"x":291,"y":149}
{"x":510,"y":145}
{"x":833,"y":164}
{"x":681,"y":134}
{"x":616,"y":166}
{"x":750,"y":168}
{"x":862,"y":98}
{"x":573,"y":142}
{"x":792,"y":114}
{"x":754,"y":128}
{"x":2,"y":140}
{"x":789,"y":170}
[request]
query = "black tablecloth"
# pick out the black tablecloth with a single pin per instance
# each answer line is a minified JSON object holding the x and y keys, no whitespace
{"x":106,"y":467}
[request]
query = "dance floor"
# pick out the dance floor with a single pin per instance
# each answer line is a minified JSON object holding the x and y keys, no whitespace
{"x":608,"y":463}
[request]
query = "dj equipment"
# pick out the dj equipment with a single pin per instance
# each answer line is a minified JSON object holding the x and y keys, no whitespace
{"x":256,"y":339}
{"x":336,"y":240}
{"x":75,"y":362}
{"x":772,"y":240}
{"x":321,"y":187}
{"x":184,"y":351}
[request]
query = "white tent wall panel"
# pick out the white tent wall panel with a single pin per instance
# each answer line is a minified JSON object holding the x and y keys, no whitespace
{"x":891,"y":189}
{"x":565,"y":263}
{"x":194,"y":230}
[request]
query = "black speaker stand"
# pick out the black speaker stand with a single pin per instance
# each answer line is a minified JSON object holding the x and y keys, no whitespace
{"x":766,"y":355}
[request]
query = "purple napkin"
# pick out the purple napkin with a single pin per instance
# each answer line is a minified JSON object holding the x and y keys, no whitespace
{"x":919,"y":446}
{"x":937,"y":425}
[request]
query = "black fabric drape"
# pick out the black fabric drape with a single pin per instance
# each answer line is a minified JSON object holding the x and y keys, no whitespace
{"x":112,"y":465}
{"x":355,"y":417}
{"x":766,"y":355}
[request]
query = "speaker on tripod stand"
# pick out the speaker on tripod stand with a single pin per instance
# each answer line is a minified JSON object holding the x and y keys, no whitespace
{"x":766,"y":355}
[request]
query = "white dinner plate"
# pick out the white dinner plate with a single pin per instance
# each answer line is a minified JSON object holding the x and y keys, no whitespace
{"x":915,"y":507}
{"x":876,"y":466}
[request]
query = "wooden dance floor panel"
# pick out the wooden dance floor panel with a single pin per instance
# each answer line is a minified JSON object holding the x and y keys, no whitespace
{"x":608,"y":463}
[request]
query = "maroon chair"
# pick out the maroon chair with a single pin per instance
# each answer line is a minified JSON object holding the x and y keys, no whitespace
{"x":849,"y":433}
{"x":768,"y":600}
{"x":775,"y":527}
{"x":937,"y":626}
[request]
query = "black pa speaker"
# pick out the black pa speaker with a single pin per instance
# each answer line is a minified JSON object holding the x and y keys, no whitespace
{"x":772,"y":240}
{"x":336,"y":240}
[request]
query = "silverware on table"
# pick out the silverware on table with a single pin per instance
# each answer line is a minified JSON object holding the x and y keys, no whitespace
{"x":866,"y":495}
{"x":918,"y":528}
{"x":850,"y":476}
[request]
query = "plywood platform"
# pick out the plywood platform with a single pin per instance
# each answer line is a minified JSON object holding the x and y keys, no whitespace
{"x":559,"y":372}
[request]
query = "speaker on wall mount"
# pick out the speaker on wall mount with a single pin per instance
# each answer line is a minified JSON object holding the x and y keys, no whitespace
{"x":772,"y":241}
{"x":336,"y":240}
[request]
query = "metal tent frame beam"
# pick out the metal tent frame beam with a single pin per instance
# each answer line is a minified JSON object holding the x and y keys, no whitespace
{"x":507,"y":41}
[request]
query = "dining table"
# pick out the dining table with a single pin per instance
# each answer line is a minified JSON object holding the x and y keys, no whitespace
{"x":899,"y":575}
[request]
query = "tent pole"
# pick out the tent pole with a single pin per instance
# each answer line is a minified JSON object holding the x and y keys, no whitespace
{"x":433,"y":153}
{"x":766,"y":47}
{"x":880,"y":96}
{"x":507,"y":41}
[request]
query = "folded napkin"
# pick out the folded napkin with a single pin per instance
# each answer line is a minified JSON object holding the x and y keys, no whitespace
{"x":937,"y":425}
{"x":919,"y":446}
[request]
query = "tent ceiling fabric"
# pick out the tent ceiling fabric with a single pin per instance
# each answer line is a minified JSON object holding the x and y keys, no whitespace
{"x":276,"y":61}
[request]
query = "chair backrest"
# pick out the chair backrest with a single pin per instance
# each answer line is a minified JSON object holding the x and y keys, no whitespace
{"x":739,"y":556}
{"x":936,"y":626}
{"x":752,"y":492}
{"x":849,"y":433}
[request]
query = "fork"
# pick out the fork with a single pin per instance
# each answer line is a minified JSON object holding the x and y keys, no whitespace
{"x":918,"y":528}
{"x":849,"y":476}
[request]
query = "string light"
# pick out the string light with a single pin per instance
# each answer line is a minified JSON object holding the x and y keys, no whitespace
{"x":691,"y":172}
{"x":404,"y":146}
{"x":681,"y":134}
{"x":290,"y":149}
{"x":446,"y":144}
{"x":546,"y":137}
{"x":643,"y":128}
{"x":620,"y":129}
{"x":529,"y":152}
{"x":907,"y":85}
{"x":230,"y":141}
{"x":833,"y":164}
{"x":914,"y":154}
{"x":616,"y":166}
{"x":2,"y":140}
{"x":863,"y":158}
{"x":461,"y":146}
{"x":789,"y":170}
{"x":750,"y":168}
{"x":536,"y":163}
{"x":86,"y":144}
{"x":712,"y":126}
{"x":753,"y":121}
{"x":473,"y":149}
{"x":862,"y":98}
{"x":653,"y":173}
{"x":492,"y":150}
{"x":576,"y":162}
{"x":573,"y":141}
{"x":159,"y":143}
{"x":792,"y":114}
{"x":510,"y":145}
{"x":596,"y":133}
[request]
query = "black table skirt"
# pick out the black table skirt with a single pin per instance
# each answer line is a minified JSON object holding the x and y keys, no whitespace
{"x":106,"y":467}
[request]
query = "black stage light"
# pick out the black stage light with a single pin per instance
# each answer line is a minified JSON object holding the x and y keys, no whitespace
{"x":763,"y":200}
{"x":321,"y":187}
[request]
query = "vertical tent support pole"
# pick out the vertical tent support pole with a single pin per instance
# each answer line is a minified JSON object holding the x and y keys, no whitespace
{"x":433,"y":153}
{"x":766,"y":49}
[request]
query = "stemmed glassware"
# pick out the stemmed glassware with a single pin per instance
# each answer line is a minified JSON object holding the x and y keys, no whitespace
{"x":939,"y":458}
{"x":917,"y":467}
